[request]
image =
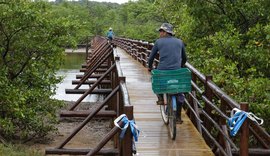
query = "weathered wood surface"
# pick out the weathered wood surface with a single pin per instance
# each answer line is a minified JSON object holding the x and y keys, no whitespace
{"x":154,"y":139}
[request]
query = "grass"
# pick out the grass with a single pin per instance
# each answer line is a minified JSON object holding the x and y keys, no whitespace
{"x":17,"y":150}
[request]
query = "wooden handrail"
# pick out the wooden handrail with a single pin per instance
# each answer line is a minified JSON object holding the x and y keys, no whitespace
{"x":118,"y":101}
{"x":220,"y":99}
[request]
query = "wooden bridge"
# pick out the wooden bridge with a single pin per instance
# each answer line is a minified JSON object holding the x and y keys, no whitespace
{"x":121,"y":75}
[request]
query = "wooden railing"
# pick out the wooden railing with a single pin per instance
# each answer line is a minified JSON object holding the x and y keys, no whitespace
{"x":103,"y":64}
{"x":208,"y":108}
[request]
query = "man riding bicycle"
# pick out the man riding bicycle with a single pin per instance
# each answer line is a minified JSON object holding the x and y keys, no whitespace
{"x":171,"y":56}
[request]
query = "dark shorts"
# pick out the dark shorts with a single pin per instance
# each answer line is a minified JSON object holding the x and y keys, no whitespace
{"x":110,"y":38}
{"x":180,"y":98}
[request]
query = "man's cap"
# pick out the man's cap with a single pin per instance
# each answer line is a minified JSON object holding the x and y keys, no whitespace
{"x":167,"y":27}
{"x":110,"y":28}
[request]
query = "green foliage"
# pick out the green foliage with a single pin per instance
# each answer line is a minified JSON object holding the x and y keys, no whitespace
{"x":228,"y":39}
{"x":137,"y":20}
{"x":77,"y":14}
{"x":32,"y":37}
{"x":11,"y":150}
{"x":102,"y":16}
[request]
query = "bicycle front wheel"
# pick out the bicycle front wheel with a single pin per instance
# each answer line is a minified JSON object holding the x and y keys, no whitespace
{"x":172,"y":116}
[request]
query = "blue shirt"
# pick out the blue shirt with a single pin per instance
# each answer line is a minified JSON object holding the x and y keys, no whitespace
{"x":171,"y":53}
{"x":110,"y":34}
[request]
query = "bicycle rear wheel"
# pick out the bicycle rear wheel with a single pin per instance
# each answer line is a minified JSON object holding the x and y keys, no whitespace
{"x":172,"y":116}
{"x":164,"y":113}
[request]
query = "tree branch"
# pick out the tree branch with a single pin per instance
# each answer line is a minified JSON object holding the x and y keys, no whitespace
{"x":7,"y":44}
{"x":3,"y":2}
{"x":3,"y":141}
{"x":12,"y":74}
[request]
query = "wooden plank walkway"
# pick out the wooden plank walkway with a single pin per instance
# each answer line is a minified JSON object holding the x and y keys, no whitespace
{"x":154,"y":139}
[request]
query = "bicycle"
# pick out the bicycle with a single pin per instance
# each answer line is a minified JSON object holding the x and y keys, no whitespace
{"x":169,"y":83}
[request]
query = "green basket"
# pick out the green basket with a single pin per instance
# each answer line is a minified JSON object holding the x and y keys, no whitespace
{"x":171,"y":81}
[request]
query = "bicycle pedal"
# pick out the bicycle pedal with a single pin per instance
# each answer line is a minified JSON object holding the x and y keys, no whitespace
{"x":160,"y":102}
{"x":179,"y":121}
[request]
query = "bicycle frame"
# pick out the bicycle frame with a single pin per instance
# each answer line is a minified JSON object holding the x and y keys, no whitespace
{"x":165,"y":96}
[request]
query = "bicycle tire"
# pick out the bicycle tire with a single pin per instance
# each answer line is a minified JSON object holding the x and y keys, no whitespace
{"x":164,"y":114}
{"x":172,"y":116}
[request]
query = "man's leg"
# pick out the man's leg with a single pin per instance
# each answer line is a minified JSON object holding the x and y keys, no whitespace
{"x":180,"y":102}
{"x":160,"y":99}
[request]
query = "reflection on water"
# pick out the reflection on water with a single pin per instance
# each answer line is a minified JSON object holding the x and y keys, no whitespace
{"x":70,"y":69}
{"x":73,"y":61}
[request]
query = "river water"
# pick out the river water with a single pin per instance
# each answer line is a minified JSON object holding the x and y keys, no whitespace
{"x":69,"y":70}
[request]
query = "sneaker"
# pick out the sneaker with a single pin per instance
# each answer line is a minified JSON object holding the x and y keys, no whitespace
{"x":160,"y":102}
{"x":179,"y":121}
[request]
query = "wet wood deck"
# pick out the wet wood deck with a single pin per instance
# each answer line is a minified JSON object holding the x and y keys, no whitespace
{"x":154,"y":139}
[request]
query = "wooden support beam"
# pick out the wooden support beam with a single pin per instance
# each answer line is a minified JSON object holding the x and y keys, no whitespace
{"x":104,"y":140}
{"x":86,"y":113}
{"x":82,"y":91}
{"x":91,"y":82}
{"x":88,"y":118}
{"x":80,"y":151}
{"x":92,"y":76}
{"x":98,"y":70}
{"x":254,"y":151}
{"x":102,"y":66}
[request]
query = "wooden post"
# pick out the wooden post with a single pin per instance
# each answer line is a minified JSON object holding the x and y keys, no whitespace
{"x":121,"y":100}
{"x":190,"y":99}
{"x":86,"y":53}
{"x":127,"y":141}
{"x":196,"y":109}
{"x":226,"y":142}
{"x":209,"y":95}
{"x":222,"y":122}
{"x":244,"y":132}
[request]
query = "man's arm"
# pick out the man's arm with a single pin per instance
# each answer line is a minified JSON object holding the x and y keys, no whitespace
{"x":152,"y":56}
{"x":184,"y":56}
